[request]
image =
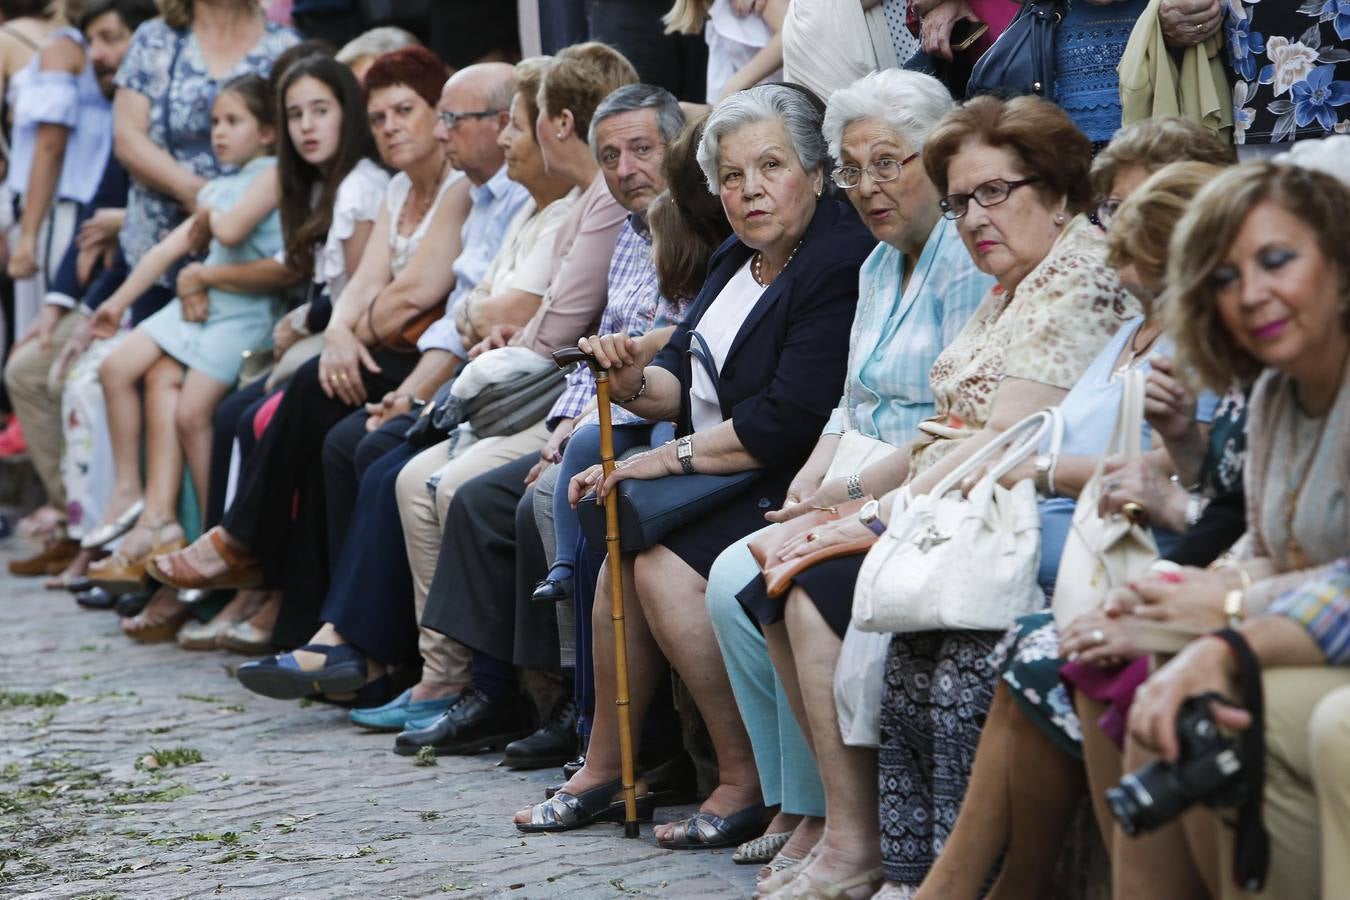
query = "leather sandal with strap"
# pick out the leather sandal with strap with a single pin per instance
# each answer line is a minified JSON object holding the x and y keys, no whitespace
{"x":706,"y":831}
{"x":242,"y":570}
{"x":156,"y":624}
{"x":564,"y":811}
{"x":805,"y":887}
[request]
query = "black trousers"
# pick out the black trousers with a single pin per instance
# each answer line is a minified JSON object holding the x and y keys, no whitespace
{"x":279,"y":507}
{"x":491,"y":558}
{"x":233,"y":419}
{"x":348,"y":450}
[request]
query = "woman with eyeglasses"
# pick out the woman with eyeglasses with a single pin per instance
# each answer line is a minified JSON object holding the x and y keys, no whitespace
{"x":1013,"y":176}
{"x":916,"y":292}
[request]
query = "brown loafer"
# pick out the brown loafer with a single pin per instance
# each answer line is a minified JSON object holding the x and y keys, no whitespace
{"x":51,"y":561}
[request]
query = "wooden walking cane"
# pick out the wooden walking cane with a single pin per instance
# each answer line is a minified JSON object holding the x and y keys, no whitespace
{"x":614,"y":561}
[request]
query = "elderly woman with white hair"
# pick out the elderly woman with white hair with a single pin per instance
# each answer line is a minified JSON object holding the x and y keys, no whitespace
{"x":772,"y":322}
{"x":916,"y":292}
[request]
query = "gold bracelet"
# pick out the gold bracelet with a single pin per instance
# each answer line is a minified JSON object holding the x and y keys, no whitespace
{"x":1235,"y":600}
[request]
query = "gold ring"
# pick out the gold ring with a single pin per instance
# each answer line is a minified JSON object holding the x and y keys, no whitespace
{"x":1134,"y":512}
{"x":342,"y":376}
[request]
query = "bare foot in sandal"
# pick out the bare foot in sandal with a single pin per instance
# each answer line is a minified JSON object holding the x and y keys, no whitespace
{"x":214,"y":560}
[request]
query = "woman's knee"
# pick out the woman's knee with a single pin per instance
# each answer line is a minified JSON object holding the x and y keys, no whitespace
{"x":192,"y":417}
{"x":1329,"y":740}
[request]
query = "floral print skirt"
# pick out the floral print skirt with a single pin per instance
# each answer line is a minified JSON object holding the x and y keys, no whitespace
{"x":937,"y":692}
{"x":1028,"y":661}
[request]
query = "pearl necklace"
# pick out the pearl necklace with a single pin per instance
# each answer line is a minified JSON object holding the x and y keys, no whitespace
{"x":757,"y":262}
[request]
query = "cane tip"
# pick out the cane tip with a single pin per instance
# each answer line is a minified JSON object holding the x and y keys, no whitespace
{"x":630,"y":829}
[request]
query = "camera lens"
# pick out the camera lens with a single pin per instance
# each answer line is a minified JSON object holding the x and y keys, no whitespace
{"x":1129,"y":802}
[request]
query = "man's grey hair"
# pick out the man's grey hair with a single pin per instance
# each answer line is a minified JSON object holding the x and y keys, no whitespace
{"x":764,"y":103}
{"x":376,"y":42}
{"x":631,"y":97}
{"x":909,"y":103}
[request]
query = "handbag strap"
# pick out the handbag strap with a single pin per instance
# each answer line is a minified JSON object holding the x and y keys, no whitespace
{"x":1015,"y":444}
{"x":1125,"y":434}
{"x":699,"y":350}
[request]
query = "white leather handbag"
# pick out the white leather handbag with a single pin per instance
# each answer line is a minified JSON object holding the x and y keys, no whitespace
{"x":856,"y":451}
{"x":953,"y":562}
{"x":1101,"y":554}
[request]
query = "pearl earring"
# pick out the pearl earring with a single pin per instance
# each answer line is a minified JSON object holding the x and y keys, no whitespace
{"x":1059,"y":218}
{"x":560,"y":136}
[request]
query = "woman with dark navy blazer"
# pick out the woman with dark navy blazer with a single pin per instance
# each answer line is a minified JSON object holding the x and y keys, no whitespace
{"x":772,"y":321}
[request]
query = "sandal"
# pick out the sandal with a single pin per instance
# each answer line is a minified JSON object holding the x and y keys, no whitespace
{"x":565,"y":812}
{"x":281,"y":678}
{"x":707,"y":831}
{"x":242,"y":570}
{"x":106,"y":534}
{"x":155,"y":624}
{"x":782,"y":870}
{"x":804,"y":886}
{"x":124,"y":571}
{"x":762,"y":849}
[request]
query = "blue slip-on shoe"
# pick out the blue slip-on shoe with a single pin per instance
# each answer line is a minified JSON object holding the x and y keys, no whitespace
{"x":281,"y":677}
{"x":398,"y":714}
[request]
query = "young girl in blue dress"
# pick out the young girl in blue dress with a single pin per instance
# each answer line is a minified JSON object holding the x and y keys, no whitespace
{"x":205,"y":332}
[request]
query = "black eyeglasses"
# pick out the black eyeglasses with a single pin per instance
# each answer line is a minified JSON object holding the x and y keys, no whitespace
{"x":449,"y":119}
{"x":991,"y":193}
{"x":883,"y":170}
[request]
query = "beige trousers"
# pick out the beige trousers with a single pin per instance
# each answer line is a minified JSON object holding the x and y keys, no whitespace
{"x":445,"y":660}
{"x":38,"y":404}
{"x":1307,"y":804}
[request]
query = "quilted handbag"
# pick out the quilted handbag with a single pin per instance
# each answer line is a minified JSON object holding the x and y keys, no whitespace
{"x":1022,"y":60}
{"x":953,"y":562}
{"x":1105,"y":553}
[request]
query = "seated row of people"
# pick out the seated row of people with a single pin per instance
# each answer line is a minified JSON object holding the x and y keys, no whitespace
{"x":849,"y":300}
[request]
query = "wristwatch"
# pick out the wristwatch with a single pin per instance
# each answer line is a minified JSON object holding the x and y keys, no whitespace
{"x":869,"y":516}
{"x":684,"y":452}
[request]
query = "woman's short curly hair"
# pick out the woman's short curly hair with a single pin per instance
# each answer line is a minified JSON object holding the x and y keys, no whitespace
{"x":1143,"y":226}
{"x":581,"y":76}
{"x":1042,"y":137}
{"x":1201,"y":242}
{"x":414,"y":67}
{"x":1151,"y":144}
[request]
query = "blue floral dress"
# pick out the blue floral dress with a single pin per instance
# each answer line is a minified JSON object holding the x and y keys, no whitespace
{"x":168,"y":68}
{"x":1290,"y":65}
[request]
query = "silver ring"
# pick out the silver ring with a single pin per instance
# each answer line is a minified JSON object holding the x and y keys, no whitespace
{"x":1098,"y":637}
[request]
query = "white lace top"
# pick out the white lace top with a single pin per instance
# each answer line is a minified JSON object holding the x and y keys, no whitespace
{"x":358,"y":200}
{"x":402,"y":247}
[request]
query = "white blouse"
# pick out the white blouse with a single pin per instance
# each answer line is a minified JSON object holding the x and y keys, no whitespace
{"x":402,"y":247}
{"x":358,"y":199}
{"x":719,"y":326}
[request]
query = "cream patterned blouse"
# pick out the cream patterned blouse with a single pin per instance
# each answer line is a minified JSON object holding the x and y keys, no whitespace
{"x":1060,"y":318}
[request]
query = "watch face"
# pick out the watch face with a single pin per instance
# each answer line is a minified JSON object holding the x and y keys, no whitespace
{"x":869,"y":510}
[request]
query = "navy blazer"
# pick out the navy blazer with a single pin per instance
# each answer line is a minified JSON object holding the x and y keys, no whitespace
{"x":785,"y":370}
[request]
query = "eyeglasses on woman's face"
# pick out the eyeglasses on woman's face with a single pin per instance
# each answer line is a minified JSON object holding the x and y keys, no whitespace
{"x":885,"y":169}
{"x":990,"y":193}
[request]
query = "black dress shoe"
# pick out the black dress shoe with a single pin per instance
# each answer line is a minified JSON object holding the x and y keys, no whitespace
{"x":551,"y":591}
{"x":96,"y":598}
{"x":553,"y":744}
{"x":573,"y":766}
{"x":129,"y":605}
{"x":472,"y":725}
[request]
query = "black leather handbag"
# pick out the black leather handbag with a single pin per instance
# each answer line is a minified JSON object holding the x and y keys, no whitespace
{"x":653,"y":508}
{"x":1022,"y":60}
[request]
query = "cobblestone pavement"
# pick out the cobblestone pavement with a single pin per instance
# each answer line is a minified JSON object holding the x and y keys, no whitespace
{"x":286,"y":801}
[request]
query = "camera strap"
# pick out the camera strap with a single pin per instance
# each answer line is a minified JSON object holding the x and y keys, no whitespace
{"x":1251,"y":855}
